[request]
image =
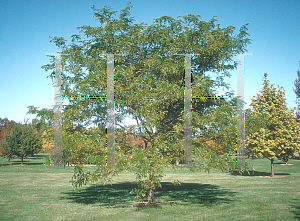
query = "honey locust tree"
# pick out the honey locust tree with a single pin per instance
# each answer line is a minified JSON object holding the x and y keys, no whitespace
{"x":273,"y":131}
{"x":149,"y":86}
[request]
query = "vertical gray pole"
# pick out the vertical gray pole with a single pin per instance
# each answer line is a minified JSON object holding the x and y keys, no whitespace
{"x":188,"y":112}
{"x":240,"y":111}
{"x":57,"y":113}
{"x":110,"y":111}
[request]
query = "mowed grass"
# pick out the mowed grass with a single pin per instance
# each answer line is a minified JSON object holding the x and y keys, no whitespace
{"x":34,"y":192}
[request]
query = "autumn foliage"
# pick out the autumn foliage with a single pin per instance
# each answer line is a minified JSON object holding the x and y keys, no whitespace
{"x":4,"y":124}
{"x":272,"y":129}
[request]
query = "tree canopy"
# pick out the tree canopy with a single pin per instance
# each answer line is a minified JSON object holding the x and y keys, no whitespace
{"x":21,"y":140}
{"x":149,"y":86}
{"x":273,"y":130}
{"x":297,"y":92}
{"x":4,"y":124}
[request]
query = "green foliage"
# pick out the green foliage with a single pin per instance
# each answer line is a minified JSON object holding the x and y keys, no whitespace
{"x":45,"y":117}
{"x":149,"y":81}
{"x":205,"y":158}
{"x":285,"y":158}
{"x":218,"y":124}
{"x":148,"y":166}
{"x":297,"y":92}
{"x":21,"y":140}
{"x":86,"y":147}
{"x":176,"y":182}
{"x":101,"y":175}
{"x":242,"y":170}
{"x":49,"y":160}
{"x":4,"y":124}
{"x":273,"y":130}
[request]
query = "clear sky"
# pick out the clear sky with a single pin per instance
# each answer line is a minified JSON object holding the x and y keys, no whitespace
{"x":26,"y":26}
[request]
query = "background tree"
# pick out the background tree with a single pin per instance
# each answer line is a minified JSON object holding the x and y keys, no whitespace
{"x":4,"y":125}
{"x":149,"y":81}
{"x":253,"y":123}
{"x":297,"y":92}
{"x":273,"y":128}
{"x":219,"y":125}
{"x":47,"y":144}
{"x":22,"y":140}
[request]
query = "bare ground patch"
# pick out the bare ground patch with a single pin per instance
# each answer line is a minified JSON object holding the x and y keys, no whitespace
{"x":146,"y":203}
{"x":273,"y":176}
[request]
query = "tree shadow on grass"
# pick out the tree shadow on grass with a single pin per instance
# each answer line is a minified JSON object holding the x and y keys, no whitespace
{"x":296,"y":208}
{"x":117,"y":195}
{"x":38,"y":156}
{"x":196,"y":193}
{"x":35,"y":160}
{"x":18,"y":162}
{"x":27,"y":163}
{"x":296,"y":158}
{"x":258,"y":173}
{"x":281,"y":162}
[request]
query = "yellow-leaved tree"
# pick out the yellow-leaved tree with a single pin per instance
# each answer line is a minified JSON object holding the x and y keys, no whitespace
{"x":272,"y":128}
{"x":47,"y":144}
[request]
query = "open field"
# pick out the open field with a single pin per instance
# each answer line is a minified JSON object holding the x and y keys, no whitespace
{"x":32,"y":192}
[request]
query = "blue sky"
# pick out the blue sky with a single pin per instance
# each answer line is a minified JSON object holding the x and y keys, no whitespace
{"x":274,"y":28}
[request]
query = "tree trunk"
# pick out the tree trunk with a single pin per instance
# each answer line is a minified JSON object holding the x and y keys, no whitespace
{"x":150,"y":196}
{"x":272,"y":168}
{"x":151,"y":192}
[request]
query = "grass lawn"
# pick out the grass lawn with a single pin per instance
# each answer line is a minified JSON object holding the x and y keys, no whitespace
{"x":33,"y":192}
